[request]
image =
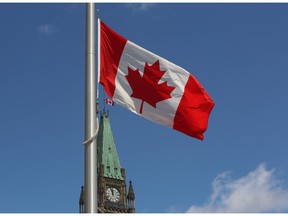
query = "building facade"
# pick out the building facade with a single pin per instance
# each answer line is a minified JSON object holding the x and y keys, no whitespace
{"x":113,"y":195}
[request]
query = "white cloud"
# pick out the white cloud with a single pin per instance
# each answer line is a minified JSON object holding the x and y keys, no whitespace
{"x":258,"y":192}
{"x":142,"y":7}
{"x":47,"y":29}
{"x":72,"y":8}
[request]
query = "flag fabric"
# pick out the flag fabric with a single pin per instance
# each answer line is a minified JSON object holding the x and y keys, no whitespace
{"x":151,"y":86}
{"x":109,"y":102}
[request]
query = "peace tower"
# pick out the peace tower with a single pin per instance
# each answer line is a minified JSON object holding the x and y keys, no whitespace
{"x":113,"y":196}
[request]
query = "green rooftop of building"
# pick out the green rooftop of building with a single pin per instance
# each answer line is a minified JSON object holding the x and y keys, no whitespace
{"x":107,"y":153}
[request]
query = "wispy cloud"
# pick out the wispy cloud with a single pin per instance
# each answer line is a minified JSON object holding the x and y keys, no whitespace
{"x":141,"y":7}
{"x":259,"y":191}
{"x":72,"y":8}
{"x":47,"y":29}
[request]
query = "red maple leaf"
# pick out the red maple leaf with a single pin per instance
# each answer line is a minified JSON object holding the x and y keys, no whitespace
{"x":146,"y":88}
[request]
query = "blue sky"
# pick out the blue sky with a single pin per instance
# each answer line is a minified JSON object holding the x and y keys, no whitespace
{"x":239,"y":54}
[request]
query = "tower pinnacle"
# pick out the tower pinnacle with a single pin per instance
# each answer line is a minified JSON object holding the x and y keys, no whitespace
{"x":131,"y":199}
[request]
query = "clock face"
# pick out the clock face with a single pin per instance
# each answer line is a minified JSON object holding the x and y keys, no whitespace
{"x":113,"y":195}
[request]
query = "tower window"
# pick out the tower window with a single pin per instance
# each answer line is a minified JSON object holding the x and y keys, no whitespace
{"x":108,"y":169}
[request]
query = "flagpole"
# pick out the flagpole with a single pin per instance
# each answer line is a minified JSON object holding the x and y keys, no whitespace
{"x":91,"y":121}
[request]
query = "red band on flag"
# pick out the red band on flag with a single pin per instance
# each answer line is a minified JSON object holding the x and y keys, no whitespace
{"x":194,"y":109}
{"x":112,"y":46}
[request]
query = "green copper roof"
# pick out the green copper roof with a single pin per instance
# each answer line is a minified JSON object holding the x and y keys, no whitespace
{"x":107,"y":152}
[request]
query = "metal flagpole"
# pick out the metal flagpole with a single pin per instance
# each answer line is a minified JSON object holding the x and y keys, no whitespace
{"x":91,"y":121}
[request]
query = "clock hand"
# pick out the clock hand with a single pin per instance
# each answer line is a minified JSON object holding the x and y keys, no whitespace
{"x":112,"y":191}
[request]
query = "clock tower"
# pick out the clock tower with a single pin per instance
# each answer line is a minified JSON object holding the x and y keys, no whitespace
{"x":113,"y":195}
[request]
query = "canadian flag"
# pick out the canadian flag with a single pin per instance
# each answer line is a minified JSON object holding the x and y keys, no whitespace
{"x":151,"y":86}
{"x":109,"y":102}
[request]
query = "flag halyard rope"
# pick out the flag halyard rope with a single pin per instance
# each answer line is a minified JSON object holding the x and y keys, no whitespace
{"x":91,"y":139}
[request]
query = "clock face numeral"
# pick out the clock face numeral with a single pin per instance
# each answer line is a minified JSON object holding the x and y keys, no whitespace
{"x":113,"y":195}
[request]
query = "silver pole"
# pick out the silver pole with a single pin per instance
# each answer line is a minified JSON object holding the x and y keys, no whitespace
{"x":91,"y":122}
